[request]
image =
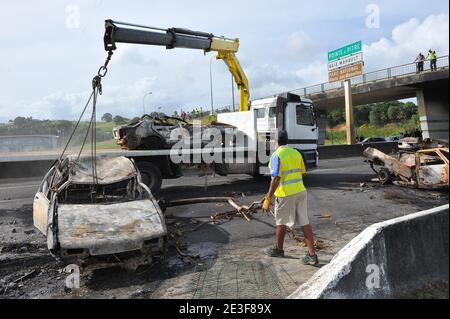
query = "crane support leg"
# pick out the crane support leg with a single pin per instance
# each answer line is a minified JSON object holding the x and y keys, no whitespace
{"x":239,"y":76}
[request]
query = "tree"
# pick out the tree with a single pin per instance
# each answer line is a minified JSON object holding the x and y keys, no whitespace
{"x":362,"y":113}
{"x":395,"y":113}
{"x":409,"y":110}
{"x":20,"y":121}
{"x":415,"y":119}
{"x":335,"y":117}
{"x":107,"y":117}
{"x":376,"y":117}
{"x":119,"y":120}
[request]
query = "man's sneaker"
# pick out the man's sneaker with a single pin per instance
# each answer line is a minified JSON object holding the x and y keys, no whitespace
{"x":310,"y":260}
{"x":274,"y":252}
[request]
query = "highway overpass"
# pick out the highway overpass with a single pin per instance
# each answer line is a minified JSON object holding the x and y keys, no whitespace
{"x":395,"y":83}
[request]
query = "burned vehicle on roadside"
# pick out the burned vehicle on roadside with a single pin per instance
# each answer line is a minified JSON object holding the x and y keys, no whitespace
{"x":427,"y":168}
{"x":98,"y":211}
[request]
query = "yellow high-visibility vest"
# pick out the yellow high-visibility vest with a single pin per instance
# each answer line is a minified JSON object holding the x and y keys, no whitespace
{"x":291,"y":172}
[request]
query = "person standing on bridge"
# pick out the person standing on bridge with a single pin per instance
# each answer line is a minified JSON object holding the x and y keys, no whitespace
{"x":420,"y":60}
{"x":287,"y":169}
{"x":432,"y":56}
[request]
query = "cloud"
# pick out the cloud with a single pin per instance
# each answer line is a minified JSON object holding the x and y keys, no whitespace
{"x":120,"y":99}
{"x":301,"y":45}
{"x":269,"y":79}
{"x":133,"y":55}
{"x":277,"y":54}
{"x":407,"y":40}
{"x":266,"y":75}
{"x":59,"y":105}
{"x":312,"y":74}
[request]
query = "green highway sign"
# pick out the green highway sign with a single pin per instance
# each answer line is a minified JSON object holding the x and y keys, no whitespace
{"x":344,"y":51}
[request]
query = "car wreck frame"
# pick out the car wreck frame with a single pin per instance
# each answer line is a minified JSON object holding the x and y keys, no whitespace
{"x":105,"y":217}
{"x":426,"y":168}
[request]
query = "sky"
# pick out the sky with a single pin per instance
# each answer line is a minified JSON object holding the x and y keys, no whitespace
{"x":50,"y":50}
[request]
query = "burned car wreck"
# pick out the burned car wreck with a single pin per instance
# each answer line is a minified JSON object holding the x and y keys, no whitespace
{"x":154,"y":133}
{"x":98,"y":211}
{"x":426,"y":168}
{"x":148,"y":133}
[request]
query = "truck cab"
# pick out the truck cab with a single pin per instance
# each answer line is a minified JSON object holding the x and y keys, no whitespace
{"x":293,"y":114}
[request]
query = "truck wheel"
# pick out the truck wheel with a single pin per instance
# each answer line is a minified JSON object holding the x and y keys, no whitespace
{"x":151,"y":176}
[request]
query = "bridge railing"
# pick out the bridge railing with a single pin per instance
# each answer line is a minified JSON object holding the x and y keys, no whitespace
{"x":379,"y":75}
{"x":384,"y":74}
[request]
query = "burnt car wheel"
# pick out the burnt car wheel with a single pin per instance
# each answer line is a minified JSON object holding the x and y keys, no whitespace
{"x":384,"y":175}
{"x":151,"y":176}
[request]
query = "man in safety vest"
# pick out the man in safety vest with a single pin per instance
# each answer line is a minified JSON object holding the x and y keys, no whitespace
{"x":432,"y":56}
{"x":287,"y":169}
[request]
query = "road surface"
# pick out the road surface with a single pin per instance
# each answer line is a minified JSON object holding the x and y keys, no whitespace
{"x":218,"y":260}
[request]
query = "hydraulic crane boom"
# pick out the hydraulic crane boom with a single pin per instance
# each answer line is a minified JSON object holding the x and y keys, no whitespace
{"x":182,"y":38}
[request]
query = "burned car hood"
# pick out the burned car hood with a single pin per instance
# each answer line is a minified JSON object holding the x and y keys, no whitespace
{"x":111,"y":228}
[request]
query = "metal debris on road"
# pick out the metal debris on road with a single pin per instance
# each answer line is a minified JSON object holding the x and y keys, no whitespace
{"x":243,"y":211}
{"x":323,"y":216}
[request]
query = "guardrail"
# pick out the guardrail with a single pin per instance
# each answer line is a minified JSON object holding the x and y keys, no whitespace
{"x":384,"y":74}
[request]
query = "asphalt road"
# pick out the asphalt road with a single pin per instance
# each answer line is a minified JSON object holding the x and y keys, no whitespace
{"x":341,"y":188}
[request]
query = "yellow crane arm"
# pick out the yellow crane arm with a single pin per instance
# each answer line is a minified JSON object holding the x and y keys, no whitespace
{"x":226,"y":50}
{"x":183,"y":38}
{"x":239,"y":77}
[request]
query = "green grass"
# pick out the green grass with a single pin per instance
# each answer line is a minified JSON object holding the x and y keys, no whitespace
{"x":391,"y":129}
{"x":106,"y":127}
{"x":107,"y":145}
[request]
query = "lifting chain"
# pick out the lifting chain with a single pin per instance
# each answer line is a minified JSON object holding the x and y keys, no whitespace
{"x":97,"y":81}
{"x":96,"y":89}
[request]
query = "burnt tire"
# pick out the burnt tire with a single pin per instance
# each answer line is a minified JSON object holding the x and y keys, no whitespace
{"x":384,"y":175}
{"x":151,"y":176}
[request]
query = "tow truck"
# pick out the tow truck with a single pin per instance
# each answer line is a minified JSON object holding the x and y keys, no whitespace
{"x":258,"y":120}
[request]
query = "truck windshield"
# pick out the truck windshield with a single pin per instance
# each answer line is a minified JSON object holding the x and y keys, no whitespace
{"x":273,"y":112}
{"x":305,"y":114}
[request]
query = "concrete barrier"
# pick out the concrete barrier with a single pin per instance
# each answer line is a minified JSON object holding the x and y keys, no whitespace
{"x":340,"y":151}
{"x":387,"y":260}
{"x":36,"y":168}
{"x":36,"y":165}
